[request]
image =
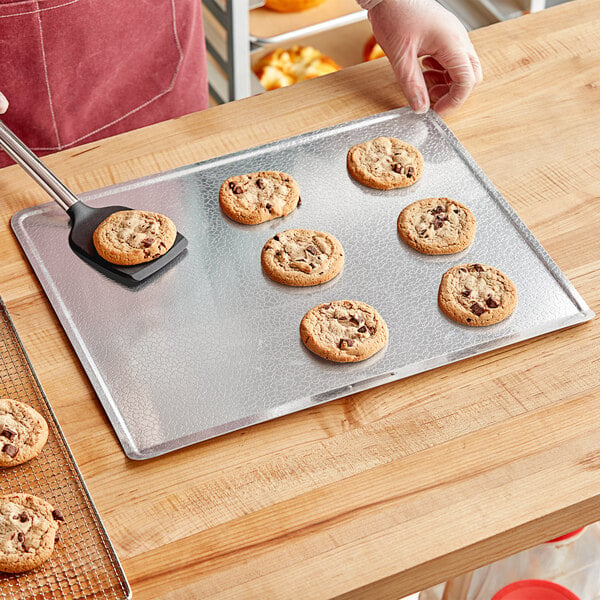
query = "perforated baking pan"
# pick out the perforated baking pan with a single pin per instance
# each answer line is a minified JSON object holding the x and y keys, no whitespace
{"x":84,"y":563}
{"x":212,"y":345}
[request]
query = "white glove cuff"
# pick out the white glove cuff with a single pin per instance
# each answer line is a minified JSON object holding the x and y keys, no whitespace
{"x":368,"y":4}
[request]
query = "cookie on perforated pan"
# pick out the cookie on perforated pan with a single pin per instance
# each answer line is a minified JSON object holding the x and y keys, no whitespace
{"x":476,"y":294}
{"x":254,"y":198}
{"x":437,"y":226}
{"x":23,"y":432}
{"x":385,"y":163}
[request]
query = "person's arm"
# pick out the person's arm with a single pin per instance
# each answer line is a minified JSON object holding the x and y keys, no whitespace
{"x":410,"y":29}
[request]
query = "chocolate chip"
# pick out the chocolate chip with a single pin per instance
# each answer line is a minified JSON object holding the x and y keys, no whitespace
{"x":437,"y":210}
{"x":357,"y":318}
{"x":312,"y":249}
{"x":25,"y":548}
{"x":8,"y":433}
{"x":299,"y":202}
{"x":362,"y":329}
{"x":57,"y":515}
{"x":21,"y":536}
{"x":10,"y":450}
{"x":23,"y":517}
{"x":345,"y":343}
{"x":268,"y":206}
{"x":276,"y":238}
{"x":466,"y":293}
{"x":477,"y":309}
{"x":397,"y":168}
{"x":232,"y":184}
{"x":237,"y":189}
{"x":410,"y":171}
{"x":260,"y":183}
{"x":438,"y":223}
{"x":478,"y":268}
{"x":456,"y":210}
{"x":491,"y":302}
{"x":56,"y":538}
{"x":147,"y":242}
{"x":312,"y":265}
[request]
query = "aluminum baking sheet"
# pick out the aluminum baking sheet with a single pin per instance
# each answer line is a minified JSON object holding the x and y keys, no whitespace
{"x":212,"y":345}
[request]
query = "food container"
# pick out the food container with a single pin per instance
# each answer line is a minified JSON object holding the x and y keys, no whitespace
{"x":567,"y":566}
{"x":534,"y":589}
{"x":567,"y":538}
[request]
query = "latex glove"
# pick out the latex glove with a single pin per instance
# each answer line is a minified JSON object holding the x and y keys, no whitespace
{"x":410,"y":29}
{"x":3,"y":103}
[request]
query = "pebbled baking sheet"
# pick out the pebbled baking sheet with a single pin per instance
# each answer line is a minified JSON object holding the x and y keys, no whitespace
{"x":212,"y":345}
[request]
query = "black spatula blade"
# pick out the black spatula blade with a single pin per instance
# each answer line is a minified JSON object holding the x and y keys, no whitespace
{"x":85,"y":220}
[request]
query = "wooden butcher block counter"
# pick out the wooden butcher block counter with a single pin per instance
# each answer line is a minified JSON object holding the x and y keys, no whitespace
{"x":391,"y":490}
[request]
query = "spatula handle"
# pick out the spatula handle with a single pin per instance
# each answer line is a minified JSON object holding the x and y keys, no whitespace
{"x":22,"y":155}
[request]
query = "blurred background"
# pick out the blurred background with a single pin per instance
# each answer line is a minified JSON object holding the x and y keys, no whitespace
{"x":260,"y":45}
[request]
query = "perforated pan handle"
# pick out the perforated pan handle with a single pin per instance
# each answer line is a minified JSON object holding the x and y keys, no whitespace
{"x":23,"y":156}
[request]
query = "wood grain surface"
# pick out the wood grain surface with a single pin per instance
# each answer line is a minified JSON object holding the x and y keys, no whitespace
{"x":388,"y":491}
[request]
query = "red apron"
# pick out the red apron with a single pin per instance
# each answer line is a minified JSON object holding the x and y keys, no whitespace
{"x":75,"y":71}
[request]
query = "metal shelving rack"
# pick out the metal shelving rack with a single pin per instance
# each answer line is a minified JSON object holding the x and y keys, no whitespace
{"x":230,"y":43}
{"x":228,"y":49}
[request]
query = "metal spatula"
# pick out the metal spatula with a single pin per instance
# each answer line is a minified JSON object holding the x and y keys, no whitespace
{"x":84,"y":218}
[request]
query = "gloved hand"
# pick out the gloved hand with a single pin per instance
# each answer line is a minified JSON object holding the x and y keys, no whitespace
{"x":410,"y":29}
{"x":3,"y":103}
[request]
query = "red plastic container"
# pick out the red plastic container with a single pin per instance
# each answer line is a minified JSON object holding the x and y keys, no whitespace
{"x":566,"y":536}
{"x":534,"y":589}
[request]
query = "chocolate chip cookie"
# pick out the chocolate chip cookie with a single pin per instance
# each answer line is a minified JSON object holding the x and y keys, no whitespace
{"x":344,"y":331}
{"x":23,"y":432}
{"x":437,"y":226}
{"x":476,"y":294}
{"x":385,"y":163}
{"x":302,"y":257}
{"x":131,"y":237}
{"x":258,"y":197}
{"x":28,"y":530}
